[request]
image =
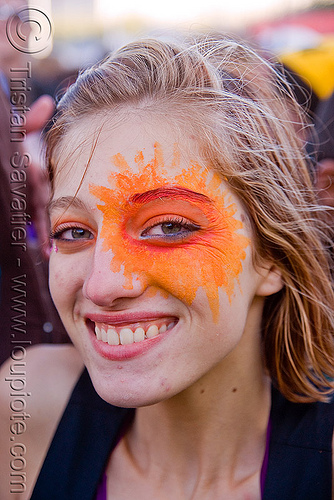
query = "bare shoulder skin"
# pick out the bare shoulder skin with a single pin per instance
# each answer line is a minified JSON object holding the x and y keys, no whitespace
{"x":34,"y":390}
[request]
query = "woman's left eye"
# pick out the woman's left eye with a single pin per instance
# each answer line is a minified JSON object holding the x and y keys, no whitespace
{"x":170,"y":229}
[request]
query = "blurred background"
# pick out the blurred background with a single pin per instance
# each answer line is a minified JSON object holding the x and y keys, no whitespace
{"x":299,"y":32}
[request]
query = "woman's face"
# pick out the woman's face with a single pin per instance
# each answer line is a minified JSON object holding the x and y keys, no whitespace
{"x":151,"y":267}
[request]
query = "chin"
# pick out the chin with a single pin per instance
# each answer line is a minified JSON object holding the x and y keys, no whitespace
{"x":127,"y":393}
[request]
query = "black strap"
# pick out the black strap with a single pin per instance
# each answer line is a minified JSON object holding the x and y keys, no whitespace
{"x":300,"y":452}
{"x":81,"y":446}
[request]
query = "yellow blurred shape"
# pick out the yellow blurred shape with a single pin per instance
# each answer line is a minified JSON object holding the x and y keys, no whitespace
{"x":315,"y":66}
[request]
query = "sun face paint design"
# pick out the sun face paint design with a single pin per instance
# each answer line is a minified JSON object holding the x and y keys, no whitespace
{"x":172,"y":231}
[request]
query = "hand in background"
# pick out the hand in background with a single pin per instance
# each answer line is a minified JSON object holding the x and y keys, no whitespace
{"x":40,"y":113}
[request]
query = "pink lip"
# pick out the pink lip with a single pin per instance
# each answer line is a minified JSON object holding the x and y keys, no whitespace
{"x":118,"y":319}
{"x":123,"y":352}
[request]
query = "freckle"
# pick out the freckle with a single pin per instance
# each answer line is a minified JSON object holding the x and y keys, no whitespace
{"x":202,"y":391}
{"x":234,"y":389}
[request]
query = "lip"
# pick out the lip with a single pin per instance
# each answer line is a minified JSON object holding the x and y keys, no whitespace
{"x":123,"y":319}
{"x":125,"y":352}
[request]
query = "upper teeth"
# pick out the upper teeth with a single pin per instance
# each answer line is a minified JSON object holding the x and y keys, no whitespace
{"x":127,"y":335}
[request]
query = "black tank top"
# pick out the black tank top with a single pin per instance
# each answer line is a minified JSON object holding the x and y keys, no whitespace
{"x":300,"y":451}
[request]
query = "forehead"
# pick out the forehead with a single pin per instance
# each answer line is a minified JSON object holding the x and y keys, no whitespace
{"x":94,"y":141}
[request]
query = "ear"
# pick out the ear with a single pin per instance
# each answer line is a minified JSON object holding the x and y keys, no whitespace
{"x":325,"y":181}
{"x":270,"y":281}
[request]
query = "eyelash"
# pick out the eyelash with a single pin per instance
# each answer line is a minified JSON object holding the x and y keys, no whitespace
{"x":56,"y":235}
{"x":189,"y":227}
{"x":186,"y":229}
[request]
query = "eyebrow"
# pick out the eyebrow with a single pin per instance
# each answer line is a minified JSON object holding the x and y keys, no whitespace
{"x":65,"y":202}
{"x":173,"y":192}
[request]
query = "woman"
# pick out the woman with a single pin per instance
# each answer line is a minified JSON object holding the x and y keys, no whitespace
{"x":189,"y":267}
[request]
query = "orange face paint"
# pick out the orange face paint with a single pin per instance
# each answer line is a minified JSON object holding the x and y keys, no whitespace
{"x":209,"y":255}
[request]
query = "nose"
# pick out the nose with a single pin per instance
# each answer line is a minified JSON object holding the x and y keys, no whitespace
{"x":105,"y":287}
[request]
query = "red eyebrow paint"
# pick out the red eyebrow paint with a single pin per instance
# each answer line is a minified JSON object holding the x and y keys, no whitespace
{"x":173,"y":192}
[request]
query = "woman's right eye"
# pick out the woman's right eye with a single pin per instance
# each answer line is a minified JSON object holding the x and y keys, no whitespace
{"x":72,"y":234}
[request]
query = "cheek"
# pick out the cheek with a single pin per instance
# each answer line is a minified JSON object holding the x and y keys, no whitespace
{"x":207,"y":263}
{"x":183,"y":271}
{"x":63,"y":281}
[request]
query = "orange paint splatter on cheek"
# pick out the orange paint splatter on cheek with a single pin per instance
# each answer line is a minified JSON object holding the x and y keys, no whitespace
{"x":209,"y":258}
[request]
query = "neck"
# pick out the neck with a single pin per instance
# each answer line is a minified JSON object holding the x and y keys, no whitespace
{"x":215,"y":428}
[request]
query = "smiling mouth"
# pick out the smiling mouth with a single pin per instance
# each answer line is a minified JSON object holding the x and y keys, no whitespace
{"x":133,"y":333}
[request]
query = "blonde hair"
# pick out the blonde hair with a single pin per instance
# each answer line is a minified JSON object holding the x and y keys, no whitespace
{"x":248,"y":127}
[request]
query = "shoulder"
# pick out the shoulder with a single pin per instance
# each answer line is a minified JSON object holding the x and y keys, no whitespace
{"x":44,"y":375}
{"x":300,"y":449}
{"x":310,"y":422}
{"x":35,"y":385}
